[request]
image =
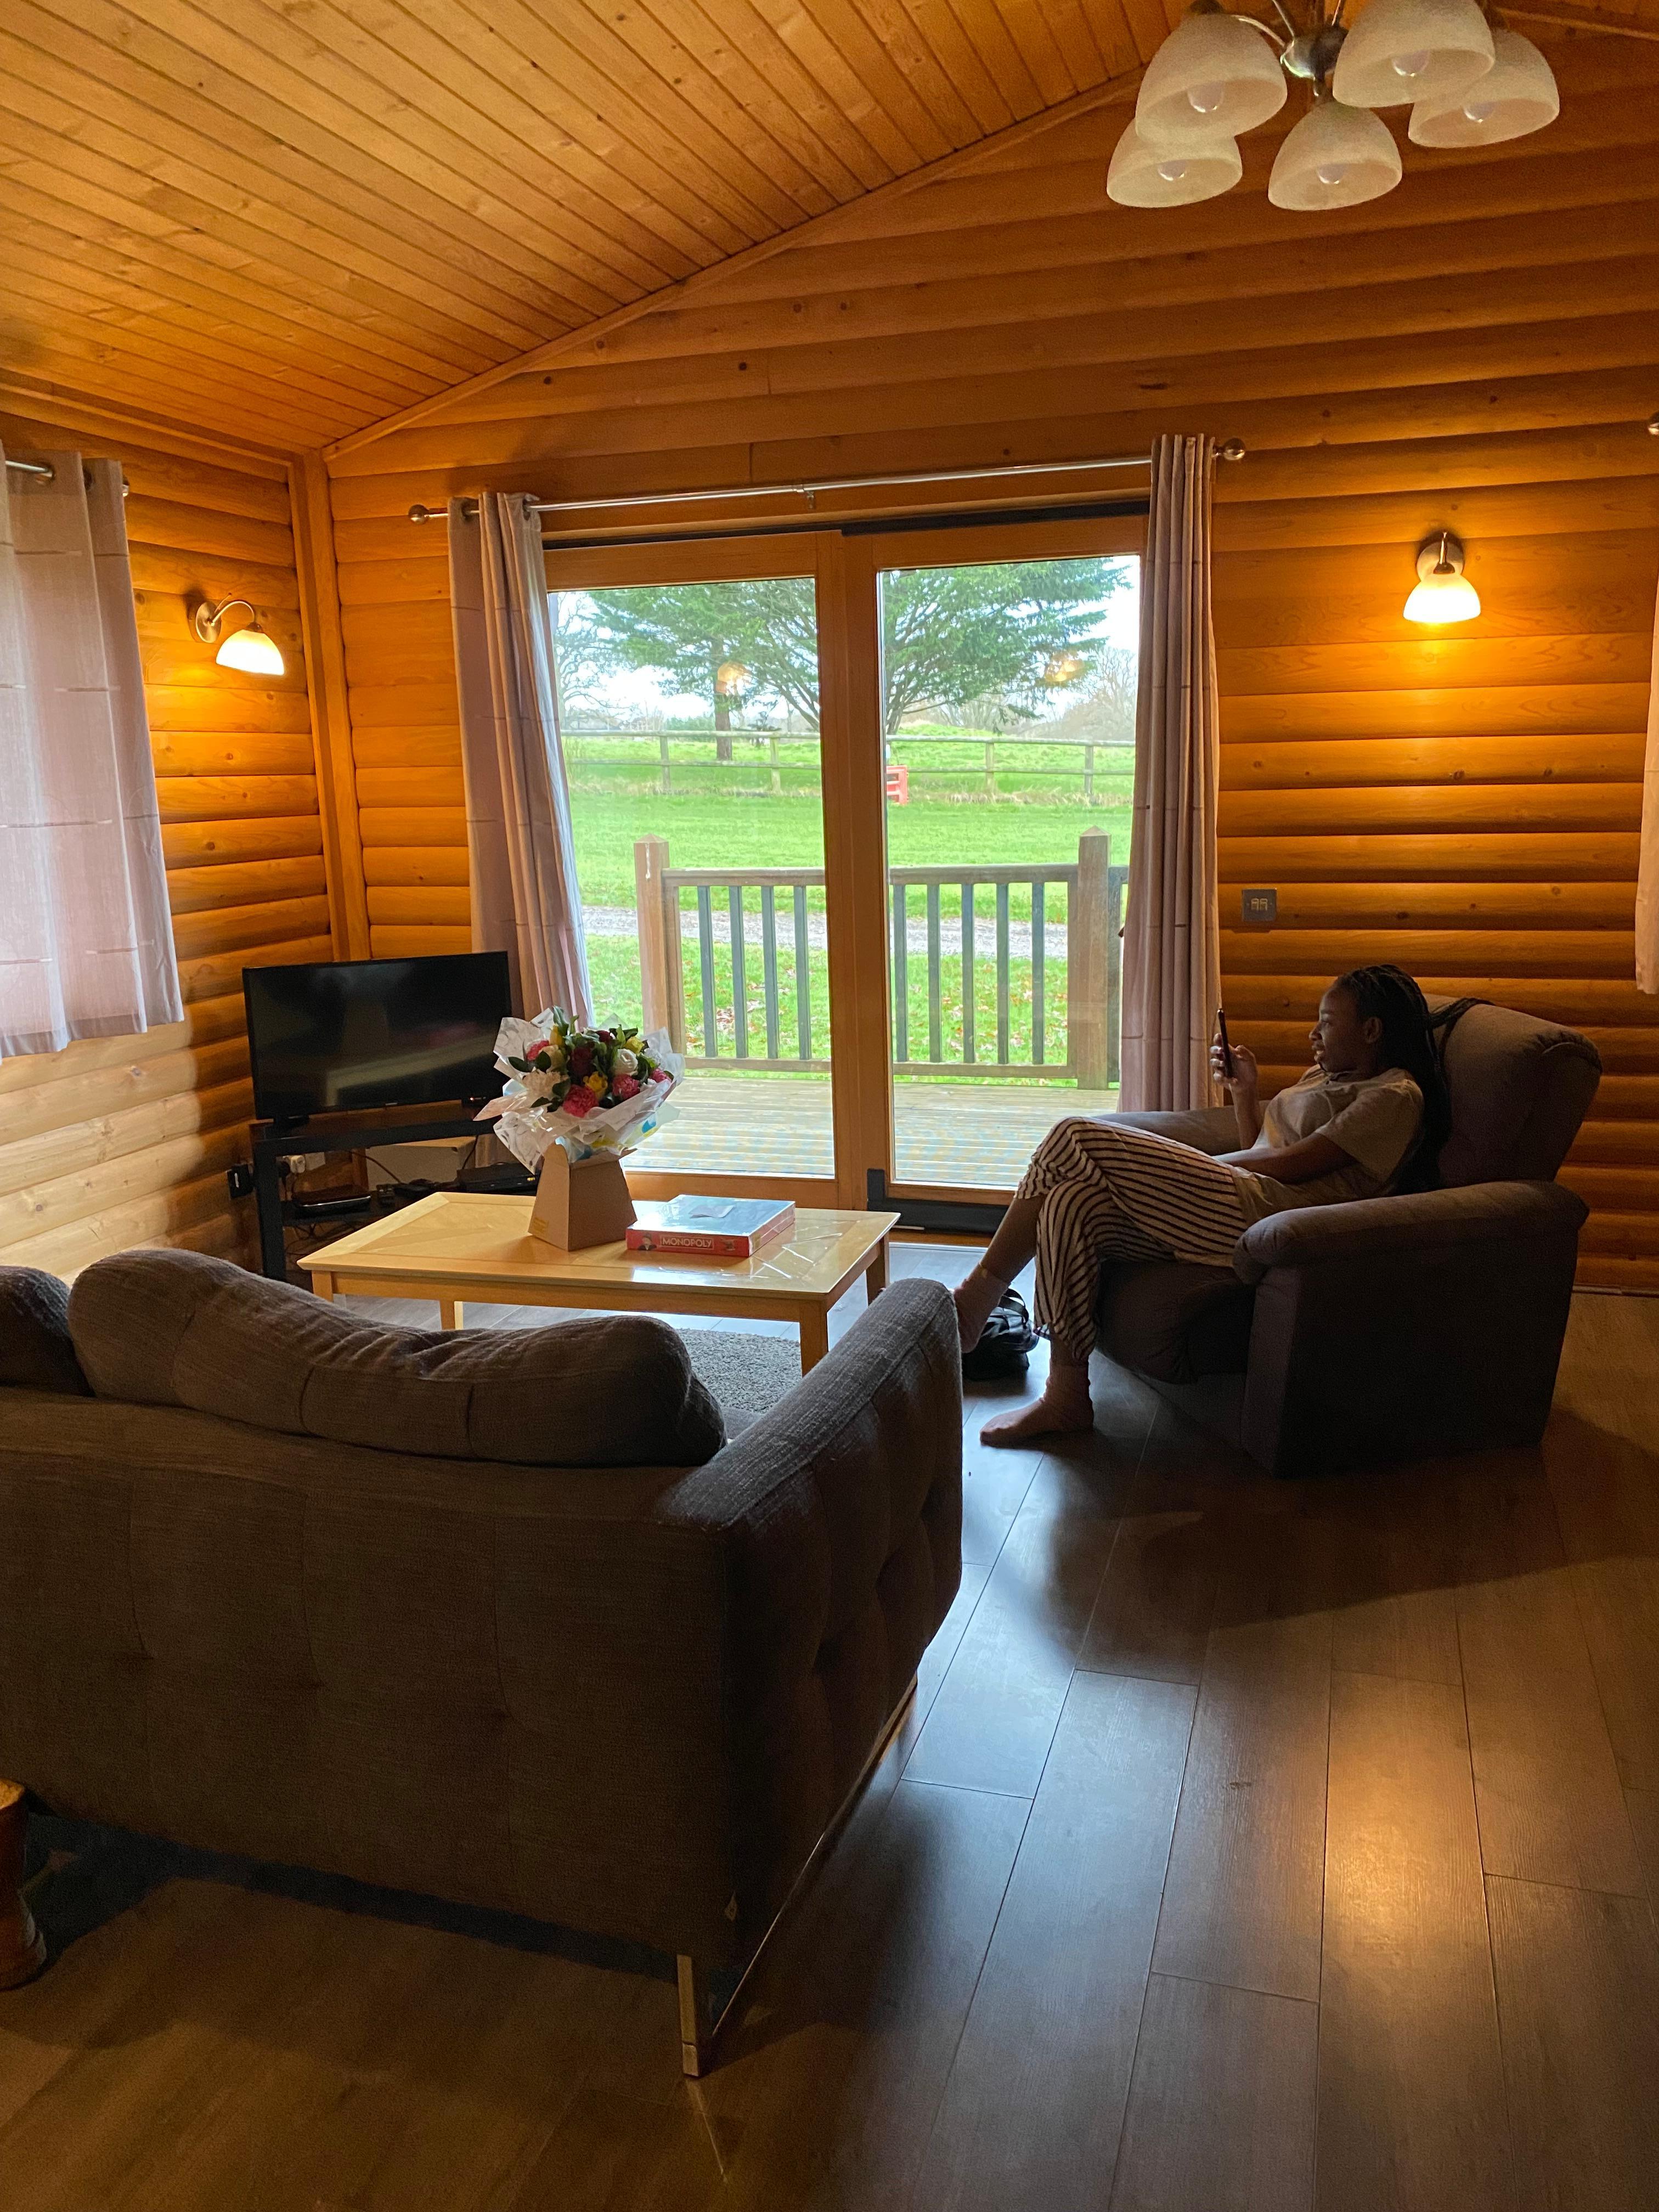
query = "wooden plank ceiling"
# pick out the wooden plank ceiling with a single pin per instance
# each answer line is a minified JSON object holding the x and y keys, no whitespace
{"x":291,"y":218}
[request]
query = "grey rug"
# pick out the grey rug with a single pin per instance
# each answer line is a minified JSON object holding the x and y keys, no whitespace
{"x":744,"y":1374}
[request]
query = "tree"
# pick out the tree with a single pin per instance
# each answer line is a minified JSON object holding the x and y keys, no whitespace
{"x":1016,"y":632}
{"x":754,"y":644}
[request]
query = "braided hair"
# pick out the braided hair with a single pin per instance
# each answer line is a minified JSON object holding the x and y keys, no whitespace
{"x":1388,"y":994}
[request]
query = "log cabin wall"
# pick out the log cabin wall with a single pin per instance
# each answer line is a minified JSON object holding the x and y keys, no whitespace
{"x":122,"y":1141}
{"x":1476,"y":351}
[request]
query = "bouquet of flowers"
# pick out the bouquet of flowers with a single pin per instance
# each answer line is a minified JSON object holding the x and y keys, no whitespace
{"x":591,"y":1091}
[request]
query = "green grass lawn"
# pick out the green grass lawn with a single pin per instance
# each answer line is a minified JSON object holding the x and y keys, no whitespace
{"x":729,"y":816}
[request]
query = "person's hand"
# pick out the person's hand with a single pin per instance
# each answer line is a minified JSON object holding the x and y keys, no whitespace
{"x":1246,"y":1078}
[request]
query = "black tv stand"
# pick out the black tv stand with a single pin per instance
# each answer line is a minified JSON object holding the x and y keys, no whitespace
{"x":334,"y":1132}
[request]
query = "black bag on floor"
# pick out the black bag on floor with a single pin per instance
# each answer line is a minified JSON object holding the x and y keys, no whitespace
{"x":1005,"y":1343}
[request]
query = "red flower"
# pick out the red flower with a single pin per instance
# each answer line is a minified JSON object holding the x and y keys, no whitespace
{"x":661,"y":1075}
{"x":580,"y":1100}
{"x":581,"y":1061}
{"x":626,"y":1087}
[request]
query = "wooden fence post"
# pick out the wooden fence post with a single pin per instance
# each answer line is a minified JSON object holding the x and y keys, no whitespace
{"x":661,"y":997}
{"x":1086,"y":994}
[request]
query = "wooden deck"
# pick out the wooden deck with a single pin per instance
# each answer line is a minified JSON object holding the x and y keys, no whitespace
{"x":974,"y":1135}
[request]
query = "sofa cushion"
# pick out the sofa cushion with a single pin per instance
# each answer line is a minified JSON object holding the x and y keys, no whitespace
{"x":36,"y":1353}
{"x":175,"y":1329}
{"x":1174,"y":1319}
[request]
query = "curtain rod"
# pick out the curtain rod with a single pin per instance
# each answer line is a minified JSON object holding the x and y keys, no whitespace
{"x":1233,"y":450}
{"x":46,"y":468}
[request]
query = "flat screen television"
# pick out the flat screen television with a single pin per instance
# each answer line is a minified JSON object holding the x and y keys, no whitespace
{"x":346,"y":1035}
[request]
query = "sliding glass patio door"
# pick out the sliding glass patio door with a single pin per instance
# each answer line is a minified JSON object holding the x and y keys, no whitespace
{"x":688,"y":683}
{"x":1008,"y":666}
{"x":852,"y":822}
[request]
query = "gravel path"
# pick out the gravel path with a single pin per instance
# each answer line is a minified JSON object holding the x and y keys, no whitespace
{"x":622,"y":922}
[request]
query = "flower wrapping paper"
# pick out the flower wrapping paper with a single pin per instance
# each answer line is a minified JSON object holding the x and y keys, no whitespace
{"x":529,"y":1126}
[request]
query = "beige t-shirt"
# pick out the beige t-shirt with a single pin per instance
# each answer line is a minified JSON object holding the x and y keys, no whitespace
{"x":1374,"y":1118}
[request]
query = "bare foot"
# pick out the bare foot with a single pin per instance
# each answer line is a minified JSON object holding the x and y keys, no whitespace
{"x":975,"y":1297}
{"x":1064,"y":1409}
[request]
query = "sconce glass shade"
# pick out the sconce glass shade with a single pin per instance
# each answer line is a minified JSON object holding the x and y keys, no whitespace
{"x":1412,"y":50}
{"x":1143,"y":174}
{"x":1335,"y":157}
{"x":1213,"y":76}
{"x":252,"y":650}
{"x":1444,"y":593}
{"x":1517,"y":95}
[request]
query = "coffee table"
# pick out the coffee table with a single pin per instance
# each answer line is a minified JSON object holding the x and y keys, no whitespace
{"x":461,"y":1247}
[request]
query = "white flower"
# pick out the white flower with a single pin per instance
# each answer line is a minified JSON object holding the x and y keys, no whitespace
{"x":626,"y":1062}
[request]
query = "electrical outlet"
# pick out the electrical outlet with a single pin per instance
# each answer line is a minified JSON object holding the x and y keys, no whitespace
{"x":239,"y":1180}
{"x":1261,"y":907}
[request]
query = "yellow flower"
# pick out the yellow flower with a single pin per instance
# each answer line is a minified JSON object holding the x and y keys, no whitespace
{"x":598,"y":1084}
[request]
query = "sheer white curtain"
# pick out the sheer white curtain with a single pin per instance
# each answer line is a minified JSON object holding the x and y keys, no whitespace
{"x":523,"y":860}
{"x":1647,"y":884}
{"x":1171,"y":939}
{"x":86,"y":942}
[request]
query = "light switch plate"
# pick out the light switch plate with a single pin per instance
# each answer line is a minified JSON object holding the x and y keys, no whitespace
{"x":1260,"y":906}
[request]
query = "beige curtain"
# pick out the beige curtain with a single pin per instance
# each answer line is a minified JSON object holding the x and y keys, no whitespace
{"x":1171,"y":948}
{"x":525,"y":899}
{"x":86,"y":942}
{"x":1647,"y":881}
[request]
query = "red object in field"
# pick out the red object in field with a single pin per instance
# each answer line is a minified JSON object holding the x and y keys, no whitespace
{"x":898,"y":783}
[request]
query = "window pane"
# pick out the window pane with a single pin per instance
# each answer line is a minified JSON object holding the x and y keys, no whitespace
{"x":1009,"y":702}
{"x":690,"y":720}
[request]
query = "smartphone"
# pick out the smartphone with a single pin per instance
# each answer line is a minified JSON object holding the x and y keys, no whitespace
{"x":1226,"y":1050}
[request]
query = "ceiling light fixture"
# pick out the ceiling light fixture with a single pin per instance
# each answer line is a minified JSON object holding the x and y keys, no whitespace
{"x":249,"y":648}
{"x":1218,"y":74}
{"x":1443,"y":594}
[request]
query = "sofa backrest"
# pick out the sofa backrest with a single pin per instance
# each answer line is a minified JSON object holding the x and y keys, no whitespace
{"x":177,"y":1329}
{"x":1519,"y":1088}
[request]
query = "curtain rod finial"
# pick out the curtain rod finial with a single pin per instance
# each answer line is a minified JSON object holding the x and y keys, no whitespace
{"x":1233,"y":450}
{"x":419,"y":513}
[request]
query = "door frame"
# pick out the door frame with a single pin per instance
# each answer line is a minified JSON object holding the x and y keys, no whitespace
{"x":845,"y":561}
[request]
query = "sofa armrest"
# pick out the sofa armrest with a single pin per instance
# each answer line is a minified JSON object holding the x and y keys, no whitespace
{"x":1205,"y":1128}
{"x":839,"y":1515}
{"x":1415,"y":1221}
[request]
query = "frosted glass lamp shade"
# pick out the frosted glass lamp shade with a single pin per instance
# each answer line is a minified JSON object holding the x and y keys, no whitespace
{"x":1443,"y":594}
{"x":1143,"y":174}
{"x":1335,"y":157}
{"x":1517,"y":95}
{"x":1411,"y":50}
{"x":1213,"y":77}
{"x":252,"y":651}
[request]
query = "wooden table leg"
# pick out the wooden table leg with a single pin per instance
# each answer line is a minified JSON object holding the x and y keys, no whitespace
{"x":875,"y":1275}
{"x":814,"y":1336}
{"x":450,"y":1313}
{"x":323,"y":1286}
{"x":22,"y":1951}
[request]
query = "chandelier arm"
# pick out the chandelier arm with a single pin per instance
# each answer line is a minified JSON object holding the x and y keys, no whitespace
{"x":1265,"y":29}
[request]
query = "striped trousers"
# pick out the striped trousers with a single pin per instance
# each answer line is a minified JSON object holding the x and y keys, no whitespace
{"x":1107,"y":1193}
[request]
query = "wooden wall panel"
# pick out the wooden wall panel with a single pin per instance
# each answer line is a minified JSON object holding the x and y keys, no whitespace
{"x":126,"y":1141}
{"x":1475,"y":351}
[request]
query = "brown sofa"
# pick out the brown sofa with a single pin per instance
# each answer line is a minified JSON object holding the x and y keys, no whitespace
{"x":1395,"y":1327}
{"x":276,"y":1582}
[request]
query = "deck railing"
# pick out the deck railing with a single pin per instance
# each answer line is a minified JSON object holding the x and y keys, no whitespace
{"x":777,"y":898}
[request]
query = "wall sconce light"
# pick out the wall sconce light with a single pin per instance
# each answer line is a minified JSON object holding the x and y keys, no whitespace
{"x":248,"y":648}
{"x":1444,"y":593}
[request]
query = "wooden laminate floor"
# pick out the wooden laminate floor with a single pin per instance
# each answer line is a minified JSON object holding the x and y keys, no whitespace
{"x":1254,"y":1845}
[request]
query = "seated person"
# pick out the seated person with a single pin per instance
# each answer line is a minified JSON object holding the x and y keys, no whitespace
{"x":1369,"y":1116}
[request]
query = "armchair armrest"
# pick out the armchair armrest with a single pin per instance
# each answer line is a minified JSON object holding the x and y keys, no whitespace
{"x":1415,"y":1222}
{"x":1405,"y":1327}
{"x":1205,"y":1128}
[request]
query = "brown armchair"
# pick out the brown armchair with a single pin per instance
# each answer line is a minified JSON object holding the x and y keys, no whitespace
{"x":1395,"y":1327}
